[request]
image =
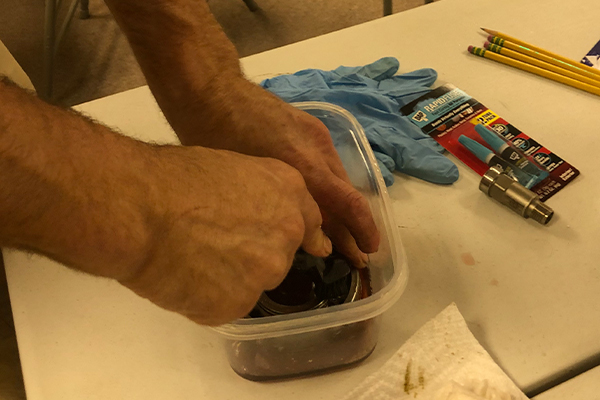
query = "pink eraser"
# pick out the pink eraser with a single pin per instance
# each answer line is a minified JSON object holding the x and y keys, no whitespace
{"x":470,"y":49}
{"x":490,"y":37}
{"x":486,"y":44}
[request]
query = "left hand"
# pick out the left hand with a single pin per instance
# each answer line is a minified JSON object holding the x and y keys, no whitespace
{"x":241,"y":116}
{"x":373,"y":93}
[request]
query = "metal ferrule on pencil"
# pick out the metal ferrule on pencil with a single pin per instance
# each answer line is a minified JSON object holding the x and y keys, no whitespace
{"x":526,"y":57}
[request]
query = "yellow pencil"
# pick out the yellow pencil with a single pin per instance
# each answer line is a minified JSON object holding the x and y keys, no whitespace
{"x":558,"y":59}
{"x":478,"y":51}
{"x":542,"y":57}
{"x":533,"y":61}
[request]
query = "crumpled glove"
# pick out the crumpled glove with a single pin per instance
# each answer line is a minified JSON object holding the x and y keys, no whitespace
{"x":374,"y":95}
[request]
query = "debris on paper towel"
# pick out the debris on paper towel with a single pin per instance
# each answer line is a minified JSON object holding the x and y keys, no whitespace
{"x":441,"y":361}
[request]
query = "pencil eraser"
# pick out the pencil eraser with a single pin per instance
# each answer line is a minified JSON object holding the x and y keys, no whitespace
{"x":470,"y":49}
{"x":486,"y":44}
{"x":490,"y":37}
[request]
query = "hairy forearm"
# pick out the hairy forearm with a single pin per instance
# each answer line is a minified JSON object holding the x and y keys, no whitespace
{"x":179,"y":46}
{"x":195,"y":76}
{"x":66,"y":191}
{"x":174,"y":224}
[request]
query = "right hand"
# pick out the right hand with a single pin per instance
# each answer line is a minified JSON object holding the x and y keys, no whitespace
{"x":225,"y":228}
{"x":242,"y":117}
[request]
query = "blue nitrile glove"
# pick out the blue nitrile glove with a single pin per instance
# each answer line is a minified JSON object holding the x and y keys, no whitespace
{"x":374,"y":95}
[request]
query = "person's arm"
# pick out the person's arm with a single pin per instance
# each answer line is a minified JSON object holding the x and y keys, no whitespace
{"x":181,"y":49}
{"x":193,"y":71}
{"x":198,"y":231}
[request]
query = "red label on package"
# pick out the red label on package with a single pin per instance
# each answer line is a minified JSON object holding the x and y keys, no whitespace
{"x":447,"y":113}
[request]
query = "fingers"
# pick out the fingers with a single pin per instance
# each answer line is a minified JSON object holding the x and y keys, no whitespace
{"x":362,"y":228}
{"x":345,"y":243}
{"x":315,"y":241}
{"x":355,"y":214}
{"x":341,"y":202}
{"x":379,"y":70}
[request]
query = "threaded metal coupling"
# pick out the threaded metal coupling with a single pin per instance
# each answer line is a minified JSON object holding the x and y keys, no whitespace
{"x":498,"y":185}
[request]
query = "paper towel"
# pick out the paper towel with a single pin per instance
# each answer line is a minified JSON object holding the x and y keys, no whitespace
{"x":441,"y":361}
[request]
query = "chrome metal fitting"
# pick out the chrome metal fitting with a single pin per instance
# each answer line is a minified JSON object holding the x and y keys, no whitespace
{"x":500,"y":186}
{"x":304,"y":299}
{"x":312,"y":283}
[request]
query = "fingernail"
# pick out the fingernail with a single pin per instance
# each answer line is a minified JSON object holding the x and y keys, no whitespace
{"x":327,"y":246}
{"x":365,"y":259}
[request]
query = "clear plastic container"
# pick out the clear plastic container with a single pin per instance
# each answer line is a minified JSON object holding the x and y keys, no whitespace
{"x":316,"y":340}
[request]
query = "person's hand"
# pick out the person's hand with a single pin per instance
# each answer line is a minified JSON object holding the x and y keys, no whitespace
{"x":374,"y":94}
{"x":242,"y":117}
{"x":225,"y":228}
{"x":197,"y":231}
{"x":194,"y":73}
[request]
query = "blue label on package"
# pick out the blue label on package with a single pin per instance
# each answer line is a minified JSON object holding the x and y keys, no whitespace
{"x":430,"y":113}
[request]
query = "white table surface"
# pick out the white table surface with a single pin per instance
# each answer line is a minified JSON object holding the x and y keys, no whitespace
{"x":584,"y":386}
{"x":532,"y":297}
